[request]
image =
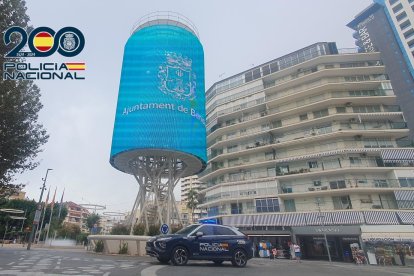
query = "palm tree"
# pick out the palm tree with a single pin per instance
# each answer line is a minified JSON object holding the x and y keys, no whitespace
{"x":192,"y":201}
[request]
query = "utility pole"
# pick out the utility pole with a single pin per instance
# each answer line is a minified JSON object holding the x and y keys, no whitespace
{"x":324,"y":232}
{"x":38,"y":211}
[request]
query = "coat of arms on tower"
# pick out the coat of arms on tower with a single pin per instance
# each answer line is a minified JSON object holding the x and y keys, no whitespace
{"x":176,"y":77}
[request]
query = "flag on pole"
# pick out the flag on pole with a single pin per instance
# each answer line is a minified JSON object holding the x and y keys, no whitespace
{"x":40,"y":226}
{"x":60,"y":205}
{"x":47,"y":197}
{"x":52,"y":204}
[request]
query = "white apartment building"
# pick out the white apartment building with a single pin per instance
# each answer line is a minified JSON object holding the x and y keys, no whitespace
{"x":312,"y":138}
{"x":188,"y":183}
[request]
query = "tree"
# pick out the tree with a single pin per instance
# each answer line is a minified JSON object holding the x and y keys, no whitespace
{"x":25,"y":205}
{"x":69,"y":231}
{"x":192,"y":202}
{"x":21,"y":136}
{"x":91,"y":220}
{"x":119,"y":229}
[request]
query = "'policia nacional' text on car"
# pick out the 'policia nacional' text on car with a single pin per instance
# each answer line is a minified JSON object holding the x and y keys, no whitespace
{"x":216,"y":243}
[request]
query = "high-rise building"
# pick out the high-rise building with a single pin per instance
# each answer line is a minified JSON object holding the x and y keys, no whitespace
{"x":387,"y":26}
{"x":187,"y":184}
{"x":305,"y":140}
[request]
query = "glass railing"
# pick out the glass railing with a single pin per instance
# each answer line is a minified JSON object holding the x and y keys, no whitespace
{"x":337,"y":185}
{"x":337,"y":163}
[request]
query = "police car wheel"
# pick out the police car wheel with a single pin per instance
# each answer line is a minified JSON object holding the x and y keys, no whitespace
{"x":179,"y":256}
{"x":218,"y":262}
{"x":163,"y":260}
{"x":239,"y":258}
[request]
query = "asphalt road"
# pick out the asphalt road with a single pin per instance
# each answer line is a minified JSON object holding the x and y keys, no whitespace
{"x":78,"y":262}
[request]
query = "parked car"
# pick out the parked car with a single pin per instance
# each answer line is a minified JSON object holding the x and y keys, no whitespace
{"x":217,"y":243}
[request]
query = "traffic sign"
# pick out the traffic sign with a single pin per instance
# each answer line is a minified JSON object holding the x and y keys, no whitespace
{"x":164,"y":229}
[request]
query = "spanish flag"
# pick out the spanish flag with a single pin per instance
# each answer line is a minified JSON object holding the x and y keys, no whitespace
{"x":75,"y":66}
{"x":43,"y":41}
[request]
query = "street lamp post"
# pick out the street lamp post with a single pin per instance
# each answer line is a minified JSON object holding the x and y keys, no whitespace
{"x":324,"y":232}
{"x":38,"y":211}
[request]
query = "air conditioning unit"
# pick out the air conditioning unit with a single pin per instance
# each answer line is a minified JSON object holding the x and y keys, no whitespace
{"x":348,"y":104}
{"x":364,"y":154}
{"x":358,"y":137}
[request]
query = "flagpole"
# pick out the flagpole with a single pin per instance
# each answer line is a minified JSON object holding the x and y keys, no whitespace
{"x":60,"y":210}
{"x":52,"y":203}
{"x":39,"y":230}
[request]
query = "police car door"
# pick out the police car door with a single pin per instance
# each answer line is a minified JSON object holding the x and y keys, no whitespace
{"x":201,"y":247}
{"x":226,"y":240}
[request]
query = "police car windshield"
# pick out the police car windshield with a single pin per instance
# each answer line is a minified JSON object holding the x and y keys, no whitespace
{"x":187,"y":230}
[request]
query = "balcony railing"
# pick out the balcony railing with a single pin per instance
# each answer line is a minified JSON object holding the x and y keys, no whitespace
{"x":337,"y":185}
{"x":339,"y":163}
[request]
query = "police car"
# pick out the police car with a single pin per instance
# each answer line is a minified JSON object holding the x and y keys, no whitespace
{"x":217,"y":243}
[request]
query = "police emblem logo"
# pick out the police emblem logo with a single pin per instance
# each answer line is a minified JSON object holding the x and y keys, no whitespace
{"x":69,"y":42}
{"x":176,"y":77}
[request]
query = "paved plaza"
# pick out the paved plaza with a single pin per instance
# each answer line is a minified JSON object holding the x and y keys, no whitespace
{"x":39,"y":261}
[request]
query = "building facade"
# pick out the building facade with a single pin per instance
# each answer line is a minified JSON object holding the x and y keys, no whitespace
{"x":387,"y":27}
{"x":187,"y":184}
{"x":308,"y":139}
{"x":77,"y":215}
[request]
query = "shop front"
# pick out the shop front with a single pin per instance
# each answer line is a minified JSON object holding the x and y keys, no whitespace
{"x":342,"y":241}
{"x":388,"y":244}
{"x":264,"y":241}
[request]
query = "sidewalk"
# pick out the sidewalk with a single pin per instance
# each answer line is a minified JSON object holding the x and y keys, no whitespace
{"x":393,"y":270}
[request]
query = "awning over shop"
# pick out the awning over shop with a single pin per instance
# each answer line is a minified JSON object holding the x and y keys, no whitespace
{"x":294,"y":219}
{"x":347,"y":217}
{"x":406,"y":217}
{"x":384,"y":217}
{"x":397,"y":155}
{"x":322,"y":218}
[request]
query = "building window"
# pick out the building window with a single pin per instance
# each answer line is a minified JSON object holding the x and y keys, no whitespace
{"x":277,"y":124}
{"x":282,"y":169}
{"x":232,"y":148}
{"x":271,"y":172}
{"x":341,"y":202}
{"x":303,"y":117}
{"x":355,"y":160}
{"x":236,"y":208}
{"x":320,"y":113}
{"x":340,"y":109}
{"x":213,"y":211}
{"x":380,"y":183}
{"x":339,"y":184}
{"x":265,"y":205}
{"x":397,"y":8}
{"x":401,"y":16}
{"x":405,"y":24}
{"x":287,"y":189}
{"x":313,"y":164}
{"x":366,"y":109}
{"x":290,"y":205}
{"x":406,"y":182}
{"x":409,"y":33}
{"x":317,"y":183}
{"x":392,"y":2}
{"x":411,"y":43}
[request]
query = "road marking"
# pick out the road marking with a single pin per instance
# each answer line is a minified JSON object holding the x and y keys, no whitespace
{"x":151,"y":271}
{"x":11,"y":263}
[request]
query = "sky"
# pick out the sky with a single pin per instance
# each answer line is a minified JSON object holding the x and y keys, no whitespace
{"x":79,"y":115}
